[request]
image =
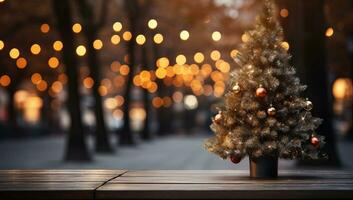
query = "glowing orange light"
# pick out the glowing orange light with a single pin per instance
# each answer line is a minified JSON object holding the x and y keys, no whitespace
{"x":57,"y":86}
{"x":180,"y":59}
{"x":2,"y":44}
{"x":35,"y":49}
{"x":5,"y":80}
{"x":76,"y":28}
{"x":36,"y":78}
{"x":284,"y":13}
{"x":117,"y":26}
{"x":215,"y":55}
{"x":329,"y":32}
{"x":88,"y":82}
{"x":285,"y":45}
{"x":44,"y":28}
{"x":42,"y":85}
{"x":158,"y":38}
{"x":161,"y":73}
{"x":97,"y":44}
{"x":115,"y":39}
{"x":140,"y":39}
{"x":21,"y":63}
{"x":124,"y":70}
{"x":199,"y":57}
{"x":58,"y":45}
{"x":127,"y":35}
{"x":53,"y":62}
{"x":14,"y":53}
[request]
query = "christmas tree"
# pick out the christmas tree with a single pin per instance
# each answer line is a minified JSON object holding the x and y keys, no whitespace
{"x":263,"y":113}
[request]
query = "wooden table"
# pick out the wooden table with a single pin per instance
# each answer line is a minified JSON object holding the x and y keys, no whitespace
{"x":122,"y":184}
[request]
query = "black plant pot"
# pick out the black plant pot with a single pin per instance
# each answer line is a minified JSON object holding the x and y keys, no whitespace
{"x":264,"y":167}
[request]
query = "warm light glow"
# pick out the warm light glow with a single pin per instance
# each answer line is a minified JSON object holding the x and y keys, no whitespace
{"x":58,"y":45}
{"x":161,"y":73}
{"x":329,"y":32}
{"x":342,"y":88}
{"x":110,"y":103}
{"x":32,"y":106}
{"x":216,"y":36}
{"x":88,"y":82}
{"x":42,"y":85}
{"x":124,"y":70}
{"x":190,"y":102}
{"x":21,"y":63}
{"x":81,"y":50}
{"x":184,"y":35}
{"x":36,"y":78}
{"x":35,"y":49}
{"x":5,"y":80}
{"x":14,"y":53}
{"x":62,"y":78}
{"x":199,"y":57}
{"x":284,"y":13}
{"x":127,"y":35}
{"x":2,"y":44}
{"x":1,"y":1}
{"x":285,"y":45}
{"x":76,"y":28}
{"x":158,"y":38}
{"x":97,"y":44}
{"x":44,"y":28}
{"x":152,"y":24}
{"x":57,"y":86}
{"x":117,"y":26}
{"x":115,"y":66}
{"x":115,"y":39}
{"x":118,"y":114}
{"x":245,"y":37}
{"x":215,"y":55}
{"x":180,"y":59}
{"x":163,"y":62}
{"x":140,"y":39}
{"x":234,"y":53}
{"x":53,"y":62}
{"x":137,"y":114}
{"x":157,"y":102}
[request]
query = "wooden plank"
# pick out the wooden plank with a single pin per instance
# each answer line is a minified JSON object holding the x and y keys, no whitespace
{"x":224,"y":191}
{"x":56,"y":177}
{"x":61,"y":171}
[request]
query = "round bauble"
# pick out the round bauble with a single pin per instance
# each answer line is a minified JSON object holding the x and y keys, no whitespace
{"x":308,"y":105}
{"x":261,"y":92}
{"x":218,"y":117}
{"x":315,"y":141}
{"x":235,"y":159}
{"x":236,"y":88}
{"x":271,"y":111}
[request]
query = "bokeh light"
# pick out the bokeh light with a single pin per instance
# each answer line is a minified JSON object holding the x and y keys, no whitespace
{"x":184,"y":35}
{"x":216,"y":36}
{"x":152,"y":23}
{"x":81,"y":50}
{"x":35,"y":49}
{"x":117,"y":26}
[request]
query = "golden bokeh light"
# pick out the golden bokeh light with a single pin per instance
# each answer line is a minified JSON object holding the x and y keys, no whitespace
{"x":81,"y":50}
{"x":216,"y":36}
{"x":115,"y":39}
{"x":36,"y":78}
{"x":152,"y":23}
{"x":184,"y":35}
{"x":284,"y":12}
{"x":162,"y":62}
{"x":76,"y":28}
{"x":53,"y":62}
{"x":88,"y":82}
{"x":140,"y":39}
{"x":157,"y":102}
{"x":5,"y":80}
{"x":115,"y":66}
{"x":180,"y":59}
{"x":45,"y":28}
{"x":215,"y":55}
{"x":35,"y":49}
{"x":14,"y":53}
{"x":158,"y":38}
{"x":199,"y":57}
{"x":117,"y":26}
{"x":329,"y":32}
{"x":342,"y":89}
{"x":2,"y":45}
{"x":124,"y":70}
{"x":127,"y":35}
{"x":42,"y":85}
{"x":111,"y":103}
{"x":234,"y":53}
{"x":161,"y":73}
{"x":63,"y":78}
{"x":285,"y":45}
{"x":58,"y":45}
{"x":103,"y":91}
{"x":245,"y":37}
{"x":57,"y":87}
{"x":97,"y":44}
{"x":21,"y":63}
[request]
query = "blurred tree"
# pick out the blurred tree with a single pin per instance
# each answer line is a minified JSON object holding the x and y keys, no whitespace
{"x":91,"y":27}
{"x":76,"y":149}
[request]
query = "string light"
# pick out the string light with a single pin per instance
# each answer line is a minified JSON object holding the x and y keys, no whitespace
{"x":14,"y":53}
{"x":53,"y":62}
{"x":58,"y":45}
{"x":76,"y":28}
{"x":158,"y":38}
{"x":152,"y":23}
{"x":117,"y":26}
{"x":97,"y":44}
{"x":35,"y":49}
{"x":180,"y":59}
{"x":140,"y":39}
{"x":199,"y":57}
{"x":184,"y":35}
{"x":81,"y":50}
{"x":216,"y":36}
{"x":2,"y":44}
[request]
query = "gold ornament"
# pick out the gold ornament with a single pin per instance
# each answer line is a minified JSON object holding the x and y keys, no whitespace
{"x":236,"y":88}
{"x":218,"y":117}
{"x":261,"y":92}
{"x":271,"y":111}
{"x":308,"y":105}
{"x":228,"y":142}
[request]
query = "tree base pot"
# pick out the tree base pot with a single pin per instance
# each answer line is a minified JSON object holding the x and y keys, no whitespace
{"x":264,"y":167}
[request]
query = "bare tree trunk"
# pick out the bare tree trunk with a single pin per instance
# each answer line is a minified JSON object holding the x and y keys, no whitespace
{"x":146,"y":133}
{"x":90,"y":30}
{"x":76,"y":149}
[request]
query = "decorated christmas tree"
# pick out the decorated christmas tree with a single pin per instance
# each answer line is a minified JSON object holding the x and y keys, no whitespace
{"x":263,"y":113}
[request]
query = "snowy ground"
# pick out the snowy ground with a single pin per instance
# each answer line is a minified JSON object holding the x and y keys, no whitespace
{"x":176,"y":152}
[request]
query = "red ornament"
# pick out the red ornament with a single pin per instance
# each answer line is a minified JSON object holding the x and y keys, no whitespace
{"x":261,"y":92}
{"x":235,"y":159}
{"x":315,"y":142}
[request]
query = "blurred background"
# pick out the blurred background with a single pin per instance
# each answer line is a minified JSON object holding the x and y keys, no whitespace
{"x":133,"y":83}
